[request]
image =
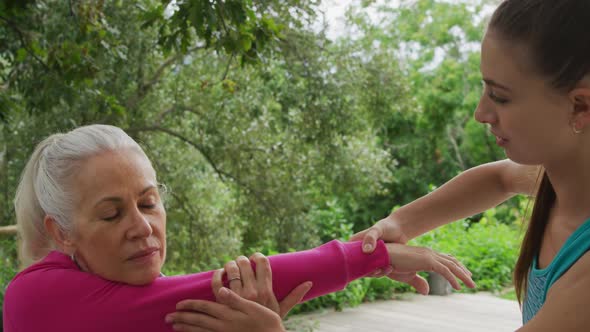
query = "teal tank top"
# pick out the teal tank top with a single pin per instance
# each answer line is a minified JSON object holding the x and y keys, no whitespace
{"x":541,"y":280}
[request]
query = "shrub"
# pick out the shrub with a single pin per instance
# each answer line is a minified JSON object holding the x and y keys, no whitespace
{"x":489,"y":249}
{"x":8,"y":268}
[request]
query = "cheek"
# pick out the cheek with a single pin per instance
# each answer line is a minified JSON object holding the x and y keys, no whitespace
{"x":159,"y":225}
{"x":159,"y":220}
{"x":104,"y":240}
{"x":161,"y":233}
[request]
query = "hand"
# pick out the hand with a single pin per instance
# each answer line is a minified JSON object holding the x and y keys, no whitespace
{"x":238,"y":314}
{"x":257,"y":287}
{"x":407,"y":260}
{"x":388,"y":230}
{"x":232,"y":313}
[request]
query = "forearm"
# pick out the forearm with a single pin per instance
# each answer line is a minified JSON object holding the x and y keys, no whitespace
{"x":330,"y":267}
{"x":471,"y":192}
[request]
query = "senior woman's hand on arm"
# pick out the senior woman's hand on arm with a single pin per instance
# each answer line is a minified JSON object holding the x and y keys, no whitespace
{"x":250,"y":305}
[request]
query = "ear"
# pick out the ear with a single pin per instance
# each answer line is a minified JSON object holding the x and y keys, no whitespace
{"x":61,"y":239}
{"x":580,"y":98}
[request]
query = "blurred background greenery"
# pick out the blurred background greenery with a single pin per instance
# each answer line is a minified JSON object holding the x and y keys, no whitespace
{"x":270,"y":135}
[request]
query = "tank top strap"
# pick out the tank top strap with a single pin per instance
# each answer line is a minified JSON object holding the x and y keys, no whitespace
{"x":574,"y":248}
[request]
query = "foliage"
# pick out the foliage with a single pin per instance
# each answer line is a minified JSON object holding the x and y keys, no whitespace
{"x":8,"y":267}
{"x":269,"y":136}
{"x":488,"y":248}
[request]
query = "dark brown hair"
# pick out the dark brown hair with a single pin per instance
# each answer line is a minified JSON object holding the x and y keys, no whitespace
{"x":555,"y":35}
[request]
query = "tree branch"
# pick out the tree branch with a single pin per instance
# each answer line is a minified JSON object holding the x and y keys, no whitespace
{"x":231,"y":59}
{"x":222,"y":174}
{"x":453,"y":141}
{"x":182,"y":138}
{"x":143,"y":89}
{"x":163,"y":114}
{"x":21,"y":37}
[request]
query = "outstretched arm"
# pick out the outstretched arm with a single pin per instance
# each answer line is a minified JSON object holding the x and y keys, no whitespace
{"x":67,"y":299}
{"x":240,"y":315}
{"x":470,"y":192}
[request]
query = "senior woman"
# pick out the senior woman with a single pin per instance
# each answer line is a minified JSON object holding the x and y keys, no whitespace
{"x":93,"y":235}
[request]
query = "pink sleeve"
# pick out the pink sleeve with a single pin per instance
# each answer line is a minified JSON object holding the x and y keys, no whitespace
{"x":70,"y":300}
{"x":330,"y":267}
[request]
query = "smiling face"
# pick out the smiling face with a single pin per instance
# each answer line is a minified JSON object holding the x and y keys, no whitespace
{"x":531,"y":120}
{"x":119,"y":222}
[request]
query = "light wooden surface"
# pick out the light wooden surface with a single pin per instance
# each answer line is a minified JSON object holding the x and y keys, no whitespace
{"x":457,"y":312}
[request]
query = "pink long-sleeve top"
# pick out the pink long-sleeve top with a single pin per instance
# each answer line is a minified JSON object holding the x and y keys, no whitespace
{"x":54,"y":295}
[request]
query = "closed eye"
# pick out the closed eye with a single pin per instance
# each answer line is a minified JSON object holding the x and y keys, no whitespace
{"x":496,"y":99}
{"x":112,"y":218}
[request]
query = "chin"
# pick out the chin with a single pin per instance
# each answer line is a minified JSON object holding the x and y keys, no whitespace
{"x":143,"y":278}
{"x":523,"y":158}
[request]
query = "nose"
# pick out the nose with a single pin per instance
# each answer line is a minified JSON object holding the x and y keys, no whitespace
{"x":484,"y":113}
{"x":140,"y":225}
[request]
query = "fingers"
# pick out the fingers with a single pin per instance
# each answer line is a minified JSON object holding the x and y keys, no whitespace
{"x":192,"y":321}
{"x":249,"y":286}
{"x":412,"y":259}
{"x":233,"y":276}
{"x":358,"y":236}
{"x":263,"y":278}
{"x":234,"y":301}
{"x":188,"y":328}
{"x":294,"y":297}
{"x":420,"y":284}
{"x":217,"y":281}
{"x":198,"y":313}
{"x":370,"y":238}
{"x":456,"y":269}
{"x":412,"y":279}
{"x":381,"y":272}
{"x":446,"y":273}
{"x":457,"y":262}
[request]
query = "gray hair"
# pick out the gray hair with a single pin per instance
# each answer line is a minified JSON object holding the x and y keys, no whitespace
{"x":45,"y":189}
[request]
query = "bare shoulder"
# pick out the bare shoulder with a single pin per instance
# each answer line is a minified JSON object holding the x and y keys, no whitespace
{"x":566,"y":307}
{"x":519,"y":179}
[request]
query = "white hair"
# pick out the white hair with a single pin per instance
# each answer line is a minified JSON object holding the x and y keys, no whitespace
{"x":45,"y":189}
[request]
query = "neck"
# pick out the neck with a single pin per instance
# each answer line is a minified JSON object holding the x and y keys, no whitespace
{"x":571,"y":182}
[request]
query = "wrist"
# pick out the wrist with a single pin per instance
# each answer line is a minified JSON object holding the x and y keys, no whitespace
{"x":397,"y":224}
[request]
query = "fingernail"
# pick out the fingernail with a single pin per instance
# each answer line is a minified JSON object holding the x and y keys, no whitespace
{"x":169,"y":319}
{"x":309,"y":284}
{"x":367,"y":247}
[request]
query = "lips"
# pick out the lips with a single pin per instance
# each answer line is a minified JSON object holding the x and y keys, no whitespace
{"x":143,"y":253}
{"x":498,"y":137}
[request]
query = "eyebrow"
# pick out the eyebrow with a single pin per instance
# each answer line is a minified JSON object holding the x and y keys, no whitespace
{"x":119,"y":199}
{"x":495,"y":84}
